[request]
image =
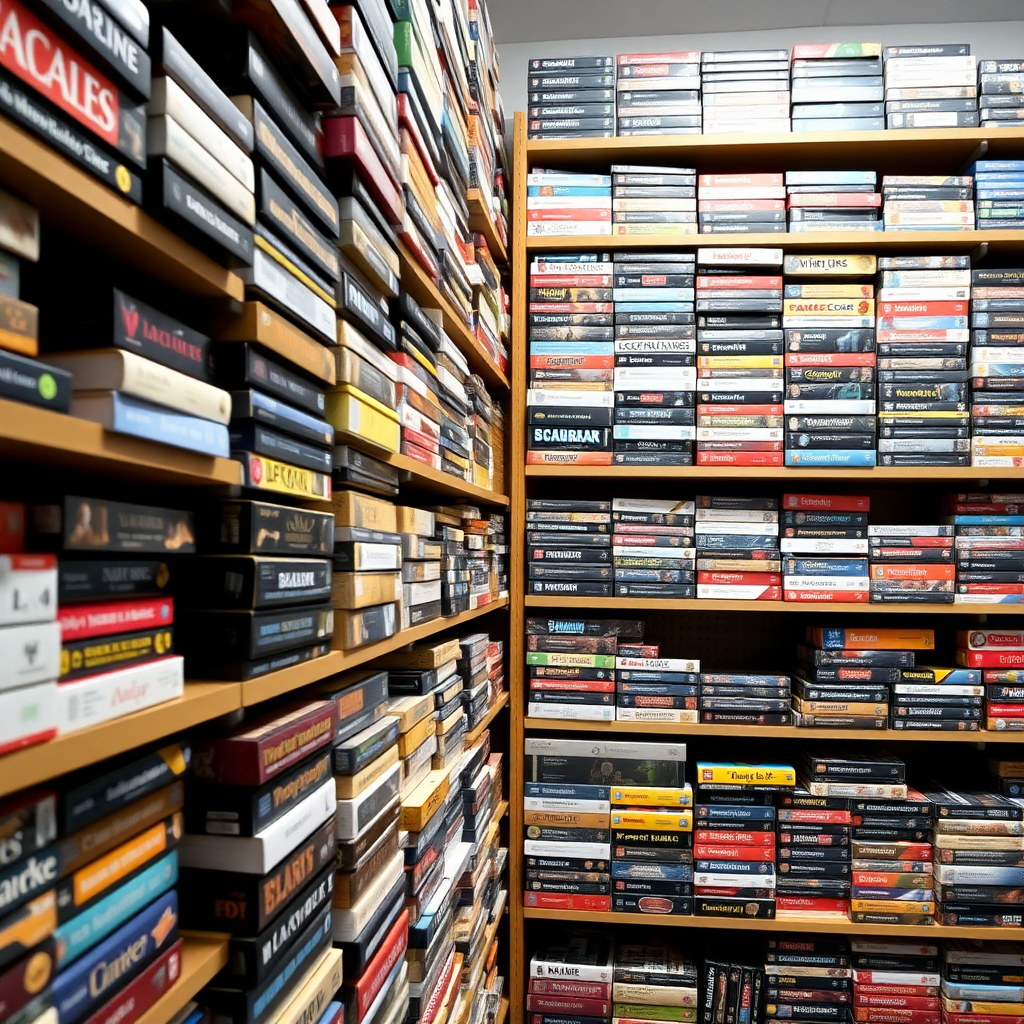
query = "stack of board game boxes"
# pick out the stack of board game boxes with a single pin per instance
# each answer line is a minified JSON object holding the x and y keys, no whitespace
{"x":89,"y":878}
{"x":21,"y":379}
{"x":833,"y":201}
{"x":739,"y":698}
{"x":944,"y":75}
{"x":653,"y":200}
{"x":567,"y":203}
{"x":806,"y":978}
{"x":977,"y":981}
{"x":912,"y":564}
{"x":987,"y":539}
{"x":921,"y":323}
{"x":653,"y":548}
{"x":739,"y":314}
{"x":998,"y":654}
{"x":749,"y":203}
{"x":569,"y":547}
{"x":928,"y":202}
{"x":830,"y":364}
{"x":737,"y":548}
{"x":651,"y":688}
{"x":825,"y":543}
{"x":827,"y":422}
{"x":571,"y":97}
{"x":996,"y":365}
{"x":260,"y":848}
{"x":575,"y":790}
{"x":658,"y":93}
{"x":114,"y":616}
{"x":259,"y":596}
{"x":837,"y":87}
{"x":999,"y":89}
{"x":745,"y":91}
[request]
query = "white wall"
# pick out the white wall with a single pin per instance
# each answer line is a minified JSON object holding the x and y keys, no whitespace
{"x":993,"y":39}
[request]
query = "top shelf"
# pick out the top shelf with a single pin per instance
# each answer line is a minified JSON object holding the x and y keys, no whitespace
{"x":932,"y":151}
{"x":79,"y":205}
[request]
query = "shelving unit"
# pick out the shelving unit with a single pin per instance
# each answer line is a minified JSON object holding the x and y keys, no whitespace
{"x":901,"y":152}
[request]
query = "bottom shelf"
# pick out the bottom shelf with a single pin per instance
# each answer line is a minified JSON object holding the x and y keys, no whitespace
{"x":794,"y":923}
{"x":202,"y":956}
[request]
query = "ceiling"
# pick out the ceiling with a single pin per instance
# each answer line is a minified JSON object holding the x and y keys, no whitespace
{"x":523,"y":21}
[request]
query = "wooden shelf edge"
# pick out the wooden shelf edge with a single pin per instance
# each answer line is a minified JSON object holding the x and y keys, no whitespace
{"x":200,"y":703}
{"x":480,"y":220}
{"x":880,"y":474}
{"x":436,"y":479}
{"x":696,"y":605}
{"x":475,"y":734}
{"x":502,"y":1011}
{"x":256,"y":691}
{"x":502,"y":809}
{"x":43,"y":435}
{"x":789,"y":732}
{"x":787,"y":923}
{"x":479,"y":359}
{"x":202,"y":957}
{"x":361,"y":655}
{"x":81,"y":205}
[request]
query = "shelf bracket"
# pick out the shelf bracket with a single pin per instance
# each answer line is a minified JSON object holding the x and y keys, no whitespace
{"x":978,"y":253}
{"x":978,"y":153}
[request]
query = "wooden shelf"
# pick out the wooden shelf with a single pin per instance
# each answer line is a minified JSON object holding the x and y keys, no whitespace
{"x":473,"y":735}
{"x":502,"y":809}
{"x":415,"y":474}
{"x":361,"y":655}
{"x":76,"y":203}
{"x":898,"y":475}
{"x":255,"y":691}
{"x":502,"y":1011}
{"x":480,"y":219}
{"x":202,"y":957}
{"x":597,"y":604}
{"x":416,"y":282}
{"x":51,"y":438}
{"x":999,"y":241}
{"x":200,"y":703}
{"x":937,"y":150}
{"x":787,"y":732}
{"x":789,"y":923}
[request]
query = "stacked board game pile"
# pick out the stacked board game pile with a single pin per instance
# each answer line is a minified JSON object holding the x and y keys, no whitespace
{"x":573,"y":666}
{"x":569,"y":547}
{"x":23,"y":378}
{"x":90,"y":878}
{"x":830,"y":361}
{"x":259,"y":596}
{"x":978,"y":889}
{"x":114,"y":615}
{"x":745,"y":91}
{"x":833,"y":201}
{"x":988,"y":539}
{"x":922,"y":326}
{"x":653,"y":200}
{"x":997,"y":366}
{"x":654,"y":379}
{"x":571,"y":98}
{"x":837,"y":87}
{"x":895,"y":979}
{"x":931,"y":86}
{"x":740,"y":698}
{"x":1005,"y":775}
{"x":568,"y":203}
{"x":651,"y":688}
{"x":928,"y":202}
{"x":653,"y":547}
{"x":658,"y":93}
{"x":804,"y":978}
{"x":998,"y":654}
{"x":260,"y":849}
{"x":820,"y":525}
{"x":976,"y":982}
{"x":737,"y":548}
{"x":738,"y":203}
{"x":1000,"y":90}
{"x":737,"y":854}
{"x":575,"y":789}
{"x":739,"y":307}
{"x":912,"y":564}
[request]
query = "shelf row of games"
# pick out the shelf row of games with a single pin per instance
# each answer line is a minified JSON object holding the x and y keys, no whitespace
{"x":816,"y":87}
{"x":749,"y":357}
{"x":107,"y":607}
{"x":285,"y":834}
{"x":837,"y":835}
